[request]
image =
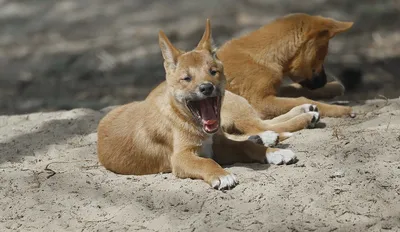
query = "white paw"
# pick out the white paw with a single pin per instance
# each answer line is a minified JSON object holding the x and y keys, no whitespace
{"x":282,"y":156}
{"x":309,"y":108}
{"x":269,"y":138}
{"x":315,"y":119}
{"x":225,"y":182}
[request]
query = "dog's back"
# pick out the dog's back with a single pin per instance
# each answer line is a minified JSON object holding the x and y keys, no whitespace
{"x":128,"y":130}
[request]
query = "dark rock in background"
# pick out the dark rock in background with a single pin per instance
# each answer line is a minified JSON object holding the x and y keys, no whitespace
{"x":94,"y":53}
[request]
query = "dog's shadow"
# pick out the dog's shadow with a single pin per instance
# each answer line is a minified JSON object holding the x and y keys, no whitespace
{"x":282,"y":146}
{"x":253,"y":166}
{"x":320,"y":125}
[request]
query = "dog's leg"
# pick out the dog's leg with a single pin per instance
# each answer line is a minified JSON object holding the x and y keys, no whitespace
{"x":266,"y":138}
{"x":228,"y":151}
{"x":239,"y":117}
{"x":295,"y":111}
{"x":187,"y":164}
{"x":251,"y":125}
{"x":302,"y":121}
{"x":330,"y":90}
{"x":273,"y":106}
{"x":297,"y":122}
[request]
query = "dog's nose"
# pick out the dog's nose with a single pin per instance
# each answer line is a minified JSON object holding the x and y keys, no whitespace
{"x":206,"y":89}
{"x":318,"y":80}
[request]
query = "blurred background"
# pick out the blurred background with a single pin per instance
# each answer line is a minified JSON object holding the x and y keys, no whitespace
{"x":59,"y":54}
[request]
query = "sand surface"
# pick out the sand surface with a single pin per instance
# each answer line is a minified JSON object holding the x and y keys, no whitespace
{"x":347,"y":179}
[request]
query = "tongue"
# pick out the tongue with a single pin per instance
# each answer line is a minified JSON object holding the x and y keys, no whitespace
{"x":208,"y":114}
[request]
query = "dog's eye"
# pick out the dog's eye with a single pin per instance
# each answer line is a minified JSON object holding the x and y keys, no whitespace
{"x":213,"y":71}
{"x":187,"y":78}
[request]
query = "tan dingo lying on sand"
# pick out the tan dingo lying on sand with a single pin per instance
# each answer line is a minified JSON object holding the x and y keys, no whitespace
{"x":177,"y":128}
{"x":293,"y":46}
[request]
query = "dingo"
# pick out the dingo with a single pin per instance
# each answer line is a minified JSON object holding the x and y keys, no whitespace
{"x":293,"y":46}
{"x":177,"y":127}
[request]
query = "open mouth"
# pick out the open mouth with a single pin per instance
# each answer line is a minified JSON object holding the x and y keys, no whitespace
{"x":207,"y":112}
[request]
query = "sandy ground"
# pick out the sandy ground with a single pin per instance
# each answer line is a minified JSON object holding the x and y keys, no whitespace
{"x":66,"y":54}
{"x":347,"y":179}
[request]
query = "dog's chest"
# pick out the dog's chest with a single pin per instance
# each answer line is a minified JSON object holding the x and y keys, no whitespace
{"x":206,"y":150}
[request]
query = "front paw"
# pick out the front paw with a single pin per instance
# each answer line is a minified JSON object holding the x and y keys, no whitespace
{"x":309,"y":108}
{"x":305,"y":108}
{"x":281,"y":156}
{"x":223,"y":182}
{"x":266,"y":138}
{"x":314,"y":119}
{"x":269,"y":138}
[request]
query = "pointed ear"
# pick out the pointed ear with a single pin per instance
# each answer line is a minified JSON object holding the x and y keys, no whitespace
{"x":327,"y":27}
{"x":339,"y":27}
{"x":206,"y":41}
{"x":169,"y":52}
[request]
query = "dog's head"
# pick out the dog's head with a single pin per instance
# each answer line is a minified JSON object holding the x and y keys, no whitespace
{"x":307,"y":66}
{"x":195,"y":80}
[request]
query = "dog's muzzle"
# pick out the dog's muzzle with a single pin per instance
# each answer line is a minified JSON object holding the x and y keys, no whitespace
{"x":317,"y":81}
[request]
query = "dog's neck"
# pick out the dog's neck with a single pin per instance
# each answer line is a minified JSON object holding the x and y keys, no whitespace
{"x":270,"y":49}
{"x":279,"y":55}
